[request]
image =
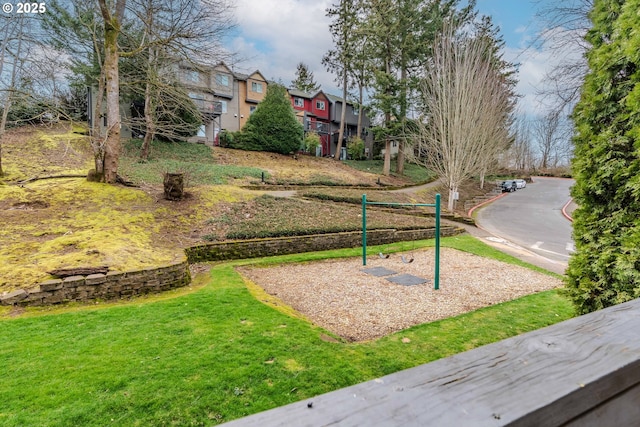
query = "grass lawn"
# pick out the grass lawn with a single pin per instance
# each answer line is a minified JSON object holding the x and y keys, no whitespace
{"x":213,"y":353}
{"x":418,"y":174}
{"x":194,"y":160}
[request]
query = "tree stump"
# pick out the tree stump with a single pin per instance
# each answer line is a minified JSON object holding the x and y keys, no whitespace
{"x":173,"y":186}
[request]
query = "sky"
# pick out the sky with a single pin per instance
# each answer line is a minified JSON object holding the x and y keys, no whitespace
{"x":273,"y":36}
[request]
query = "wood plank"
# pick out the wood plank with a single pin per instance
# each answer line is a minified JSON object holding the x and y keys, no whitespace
{"x":546,"y":377}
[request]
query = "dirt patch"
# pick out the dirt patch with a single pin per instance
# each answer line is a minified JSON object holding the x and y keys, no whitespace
{"x":340,"y":297}
{"x":36,"y":204}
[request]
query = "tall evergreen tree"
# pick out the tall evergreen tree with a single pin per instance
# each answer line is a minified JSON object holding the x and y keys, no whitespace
{"x":304,"y":80}
{"x":273,"y":126}
{"x":344,"y":30}
{"x":402,"y":33}
{"x":605,"y":269}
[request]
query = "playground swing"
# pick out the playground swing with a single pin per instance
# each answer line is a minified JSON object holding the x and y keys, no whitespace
{"x":405,"y":259}
{"x":409,"y":259}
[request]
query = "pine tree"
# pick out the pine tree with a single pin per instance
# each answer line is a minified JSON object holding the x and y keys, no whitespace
{"x":605,"y":270}
{"x":273,"y":126}
{"x":304,"y":80}
{"x":344,"y":32}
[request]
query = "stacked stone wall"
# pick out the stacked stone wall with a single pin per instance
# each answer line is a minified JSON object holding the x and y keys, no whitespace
{"x":110,"y":286}
{"x":117,"y":285}
{"x":255,"y":248}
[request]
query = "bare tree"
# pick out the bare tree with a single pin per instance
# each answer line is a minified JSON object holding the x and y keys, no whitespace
{"x":175,"y":31}
{"x":112,"y":15}
{"x":171,"y":29}
{"x":74,"y":27}
{"x":552,"y":135}
{"x":467,"y":107}
{"x":520,"y":155}
{"x":563,"y":27}
{"x":13,"y":45}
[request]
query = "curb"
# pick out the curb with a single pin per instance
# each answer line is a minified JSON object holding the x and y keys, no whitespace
{"x":564,"y":210}
{"x":484,"y":203}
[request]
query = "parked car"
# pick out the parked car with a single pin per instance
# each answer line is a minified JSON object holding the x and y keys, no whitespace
{"x":520,"y":183}
{"x":508,"y":186}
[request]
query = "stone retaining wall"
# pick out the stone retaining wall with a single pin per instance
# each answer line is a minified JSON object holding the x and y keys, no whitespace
{"x":113,"y":285}
{"x":116,"y":285}
{"x":255,"y":248}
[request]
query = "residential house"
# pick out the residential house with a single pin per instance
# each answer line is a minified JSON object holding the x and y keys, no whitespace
{"x":234,"y":95}
{"x":197,"y":80}
{"x":350,"y":126}
{"x":313,"y":111}
{"x":252,"y":89}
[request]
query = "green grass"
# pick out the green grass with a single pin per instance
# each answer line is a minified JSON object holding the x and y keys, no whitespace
{"x":217,"y":353}
{"x":268,"y":216}
{"x":415,"y":173}
{"x":195,"y":160}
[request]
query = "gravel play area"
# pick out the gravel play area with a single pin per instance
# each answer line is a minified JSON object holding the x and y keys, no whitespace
{"x":340,"y":297}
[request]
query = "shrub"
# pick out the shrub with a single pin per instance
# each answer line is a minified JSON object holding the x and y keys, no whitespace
{"x":311,"y":142}
{"x":355,"y":148}
{"x":273,"y":126}
{"x":225,"y":139}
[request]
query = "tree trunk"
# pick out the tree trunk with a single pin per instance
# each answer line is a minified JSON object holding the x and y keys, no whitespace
{"x":112,"y":22}
{"x":149,"y":92}
{"x":149,"y":119}
{"x":360,"y":112}
{"x":3,"y":125}
{"x":10,"y":92}
{"x":453,"y":189}
{"x":386,"y":169}
{"x":403,"y":118}
{"x":97,"y":137}
{"x":343,"y":113}
{"x":173,"y":186}
{"x":112,"y":141}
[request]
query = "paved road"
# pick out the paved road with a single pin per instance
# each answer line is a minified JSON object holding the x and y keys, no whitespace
{"x":531,"y":220}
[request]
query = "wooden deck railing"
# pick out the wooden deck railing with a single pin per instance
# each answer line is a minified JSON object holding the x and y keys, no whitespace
{"x":581,"y":372}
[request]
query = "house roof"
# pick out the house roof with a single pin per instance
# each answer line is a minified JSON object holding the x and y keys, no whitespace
{"x":241,"y":76}
{"x":299,"y":93}
{"x":334,"y":98}
{"x":245,"y":77}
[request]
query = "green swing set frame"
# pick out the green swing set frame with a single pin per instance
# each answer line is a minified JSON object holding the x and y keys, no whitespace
{"x":437,"y":216}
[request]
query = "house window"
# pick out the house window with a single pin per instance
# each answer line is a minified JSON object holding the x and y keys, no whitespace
{"x":298,"y":102}
{"x":319,"y":105}
{"x":224,"y":106}
{"x":222,"y":80}
{"x":192,"y":76}
{"x":256,"y":87}
{"x":252,"y":109}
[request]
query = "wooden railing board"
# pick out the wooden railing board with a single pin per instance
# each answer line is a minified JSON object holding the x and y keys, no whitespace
{"x":586,"y":368}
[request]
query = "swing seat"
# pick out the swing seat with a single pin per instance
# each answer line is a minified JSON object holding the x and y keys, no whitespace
{"x":406,"y":260}
{"x":383,"y":256}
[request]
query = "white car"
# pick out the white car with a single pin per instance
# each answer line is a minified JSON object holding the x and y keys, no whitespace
{"x":520,"y":183}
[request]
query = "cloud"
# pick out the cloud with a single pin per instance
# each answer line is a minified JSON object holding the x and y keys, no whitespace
{"x":276,"y":35}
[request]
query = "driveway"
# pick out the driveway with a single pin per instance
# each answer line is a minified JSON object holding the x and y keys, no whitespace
{"x":530,"y":223}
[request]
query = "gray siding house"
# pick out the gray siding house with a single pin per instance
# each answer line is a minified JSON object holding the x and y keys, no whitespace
{"x":351,"y":124}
